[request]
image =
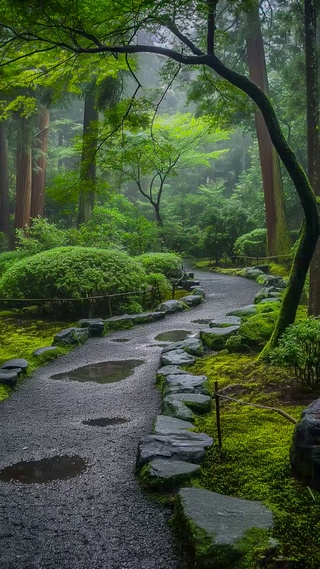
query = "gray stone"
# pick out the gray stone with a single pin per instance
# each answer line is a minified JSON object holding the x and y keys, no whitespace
{"x":173,"y":471}
{"x":119,"y":322}
{"x":171,"y":306}
{"x":9,"y":377}
{"x":195,"y":401}
{"x":95,"y":325}
{"x":224,"y":521}
{"x":15,"y":363}
{"x":186,"y":384}
{"x":145,"y":317}
{"x":191,"y":345}
{"x":40,"y":351}
{"x":248,"y":310}
{"x":177,"y":409}
{"x":305,"y":449}
{"x":191,"y":300}
{"x":189,"y":283}
{"x":187,"y":446}
{"x":165,"y":425}
{"x":177,"y":357}
{"x":251,"y":272}
{"x":216,"y":338}
{"x":271,"y":280}
{"x":71,"y":336}
{"x":225,"y":322}
{"x":275,"y":299}
{"x":267,"y":292}
{"x":169,"y":370}
{"x":198,"y":290}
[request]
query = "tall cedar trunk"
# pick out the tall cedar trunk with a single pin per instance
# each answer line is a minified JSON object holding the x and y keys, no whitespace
{"x":4,"y":183}
{"x":277,"y":230}
{"x":313,"y":125}
{"x":23,"y":175}
{"x":88,"y":160}
{"x":39,"y":164}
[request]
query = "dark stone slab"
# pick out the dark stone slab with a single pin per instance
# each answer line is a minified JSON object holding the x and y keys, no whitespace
{"x":170,"y":473}
{"x":216,"y":338}
{"x":186,"y":384}
{"x":194,"y":401}
{"x":122,"y":322}
{"x":171,"y":306}
{"x":15,"y":363}
{"x":177,"y":409}
{"x":191,"y":300}
{"x":222,"y":522}
{"x":177,"y":358}
{"x":95,"y":325}
{"x":271,"y":280}
{"x":187,"y":446}
{"x":40,"y":351}
{"x":225,"y":322}
{"x":192,"y":346}
{"x":145,"y":317}
{"x":267,"y":292}
{"x":248,"y":310}
{"x":198,"y":290}
{"x":9,"y":377}
{"x":71,"y":336}
{"x":165,"y":425}
{"x":169,"y":370}
{"x":305,"y":449}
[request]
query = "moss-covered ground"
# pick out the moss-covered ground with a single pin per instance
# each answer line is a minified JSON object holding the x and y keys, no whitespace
{"x":254,"y":460}
{"x":20,"y":335}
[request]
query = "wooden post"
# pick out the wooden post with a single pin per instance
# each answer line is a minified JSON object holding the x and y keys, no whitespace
{"x":217,"y":400}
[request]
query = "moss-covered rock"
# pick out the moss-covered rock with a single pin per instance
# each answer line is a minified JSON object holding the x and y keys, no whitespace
{"x":257,"y":330}
{"x":164,"y":474}
{"x":216,"y":338}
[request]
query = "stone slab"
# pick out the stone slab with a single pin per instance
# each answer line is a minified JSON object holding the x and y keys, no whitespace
{"x":215,"y":338}
{"x":177,"y":357}
{"x":186,"y":384}
{"x":15,"y":363}
{"x":191,"y":300}
{"x":225,"y":322}
{"x":187,"y":446}
{"x":194,"y":401}
{"x":192,"y":346}
{"x":170,"y":370}
{"x":145,"y":317}
{"x":71,"y":336}
{"x":166,"y":425}
{"x":169,"y":470}
{"x":171,"y":306}
{"x":248,"y":310}
{"x":40,"y":351}
{"x":95,"y":326}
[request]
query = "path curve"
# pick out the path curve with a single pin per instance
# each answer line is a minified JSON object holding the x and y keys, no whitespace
{"x":101,"y":519}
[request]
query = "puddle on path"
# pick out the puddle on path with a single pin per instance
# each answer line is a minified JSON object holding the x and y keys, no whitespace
{"x":173,"y":336}
{"x":44,"y":470}
{"x":120,"y":340}
{"x":202,"y":321}
{"x":103,"y":372}
{"x":104,"y":421}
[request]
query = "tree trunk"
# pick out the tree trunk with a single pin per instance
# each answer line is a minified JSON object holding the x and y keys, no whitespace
{"x":88,"y":160}
{"x":23,"y":175}
{"x":4,"y":183}
{"x":39,"y":164}
{"x":313,"y":141}
{"x":277,"y":231}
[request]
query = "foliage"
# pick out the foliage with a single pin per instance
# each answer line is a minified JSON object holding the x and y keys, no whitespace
{"x":41,"y":236}
{"x":258,"y":328}
{"x":168,"y":264}
{"x":9,"y":258}
{"x":299,"y":349}
{"x":72,"y":272}
{"x":252,"y":244}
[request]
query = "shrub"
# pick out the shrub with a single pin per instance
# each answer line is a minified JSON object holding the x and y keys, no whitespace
{"x":299,"y":349}
{"x":169,"y":264}
{"x":40,"y":236}
{"x":253,"y":244}
{"x":73,"y":272}
{"x":9,"y":258}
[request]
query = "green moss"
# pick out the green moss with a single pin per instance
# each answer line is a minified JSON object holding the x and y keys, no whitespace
{"x":4,"y":392}
{"x":115,"y":325}
{"x":258,"y":329}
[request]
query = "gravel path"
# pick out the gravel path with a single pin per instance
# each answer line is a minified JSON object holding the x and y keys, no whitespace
{"x":101,"y":519}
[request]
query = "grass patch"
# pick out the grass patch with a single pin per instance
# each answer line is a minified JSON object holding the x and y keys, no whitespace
{"x":254,"y":461}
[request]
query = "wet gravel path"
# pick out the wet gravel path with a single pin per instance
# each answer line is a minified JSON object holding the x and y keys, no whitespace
{"x":100,"y":519}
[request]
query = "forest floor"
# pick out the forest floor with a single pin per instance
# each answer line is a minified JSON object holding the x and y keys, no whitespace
{"x":100,"y":519}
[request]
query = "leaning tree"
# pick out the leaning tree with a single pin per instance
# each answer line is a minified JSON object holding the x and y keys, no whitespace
{"x":185,"y":32}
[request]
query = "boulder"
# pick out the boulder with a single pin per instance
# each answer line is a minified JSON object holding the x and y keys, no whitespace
{"x":186,"y":384}
{"x":190,"y":345}
{"x":305,"y":449}
{"x":171,"y":306}
{"x":39,"y":351}
{"x":271,"y":280}
{"x":217,"y":527}
{"x":9,"y":377}
{"x":177,"y":358}
{"x":15,"y":363}
{"x":194,"y":401}
{"x":165,"y":425}
{"x":169,"y":473}
{"x":191,"y":300}
{"x":189,"y":283}
{"x":225,"y":322}
{"x":216,"y":338}
{"x":122,"y":322}
{"x":187,"y":446}
{"x":267,"y":292}
{"x":94,"y":325}
{"x":198,"y":290}
{"x":146,"y":317}
{"x":71,"y":336}
{"x":251,"y":272}
{"x":248,"y":310}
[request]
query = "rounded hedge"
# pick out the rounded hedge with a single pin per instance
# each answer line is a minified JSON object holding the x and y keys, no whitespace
{"x":168,"y":264}
{"x":72,"y":272}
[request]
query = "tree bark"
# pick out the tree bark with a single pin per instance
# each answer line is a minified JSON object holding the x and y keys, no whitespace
{"x":313,"y":140}
{"x":88,"y":160}
{"x":39,"y":164}
{"x":277,"y":230}
{"x":23,"y":175}
{"x":4,"y":183}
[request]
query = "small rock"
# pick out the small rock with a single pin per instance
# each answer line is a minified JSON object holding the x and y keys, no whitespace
{"x":198,"y":403}
{"x":145,"y":317}
{"x":192,"y":346}
{"x":191,"y":300}
{"x":169,"y":370}
{"x":165,"y":425}
{"x":71,"y":336}
{"x":225,"y":322}
{"x":187,"y":446}
{"x":177,"y":358}
{"x":15,"y":363}
{"x":95,"y":326}
{"x":216,"y":338}
{"x":40,"y":351}
{"x":9,"y":377}
{"x":186,"y":384}
{"x":164,"y":472}
{"x":248,"y":310}
{"x":171,"y":306}
{"x":198,"y":290}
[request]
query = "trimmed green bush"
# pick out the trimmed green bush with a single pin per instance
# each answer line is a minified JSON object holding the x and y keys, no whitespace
{"x":9,"y":258}
{"x":299,"y":349}
{"x":253,"y":244}
{"x":73,"y":272}
{"x":169,"y":264}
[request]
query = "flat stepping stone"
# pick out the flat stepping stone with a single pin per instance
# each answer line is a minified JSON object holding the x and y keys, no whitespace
{"x":170,"y":370}
{"x":95,"y":326}
{"x":186,"y":384}
{"x":122,"y":322}
{"x":191,"y":300}
{"x":248,"y":310}
{"x":71,"y":336}
{"x":9,"y":377}
{"x":194,"y":401}
{"x":163,"y":472}
{"x":216,"y":338}
{"x":165,"y":425}
{"x":192,"y":346}
{"x":171,"y":306}
{"x":40,"y":351}
{"x":20,"y":363}
{"x":175,"y":408}
{"x":187,"y":446}
{"x":145,"y":317}
{"x":225,"y":322}
{"x":177,"y":357}
{"x":222,"y":523}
